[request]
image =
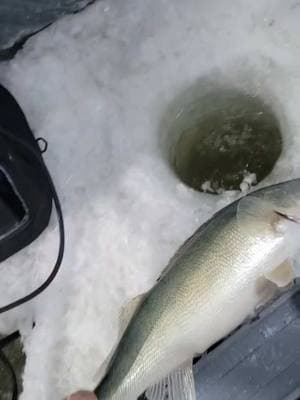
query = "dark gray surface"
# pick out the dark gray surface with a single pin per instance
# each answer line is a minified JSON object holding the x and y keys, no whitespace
{"x":260,"y":361}
{"x":14,"y":352}
{"x":22,"y":18}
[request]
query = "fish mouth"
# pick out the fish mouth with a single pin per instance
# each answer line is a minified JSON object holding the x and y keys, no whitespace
{"x":291,"y":218}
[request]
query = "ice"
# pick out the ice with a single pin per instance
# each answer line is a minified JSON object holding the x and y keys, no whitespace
{"x":96,"y":85}
{"x":248,"y":181}
{"x":206,"y":186}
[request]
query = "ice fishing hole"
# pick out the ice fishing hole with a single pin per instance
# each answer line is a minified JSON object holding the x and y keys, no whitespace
{"x":224,"y":141}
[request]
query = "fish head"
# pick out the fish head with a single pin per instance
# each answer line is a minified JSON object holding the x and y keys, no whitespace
{"x":270,"y":219}
{"x":284,"y":198}
{"x":272,"y":215}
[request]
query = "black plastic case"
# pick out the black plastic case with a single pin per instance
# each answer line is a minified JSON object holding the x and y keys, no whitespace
{"x":25,"y":194}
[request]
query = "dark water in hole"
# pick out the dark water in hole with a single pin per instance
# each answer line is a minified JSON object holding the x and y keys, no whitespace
{"x":223,"y":146}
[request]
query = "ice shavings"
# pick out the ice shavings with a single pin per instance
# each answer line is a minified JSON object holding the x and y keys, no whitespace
{"x":248,"y":181}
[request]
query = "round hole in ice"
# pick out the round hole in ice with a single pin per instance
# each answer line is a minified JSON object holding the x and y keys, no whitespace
{"x":225,"y":140}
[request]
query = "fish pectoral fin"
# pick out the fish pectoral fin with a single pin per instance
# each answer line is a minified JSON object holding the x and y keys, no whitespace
{"x":283,"y":275}
{"x":253,"y":213}
{"x":178,"y":385}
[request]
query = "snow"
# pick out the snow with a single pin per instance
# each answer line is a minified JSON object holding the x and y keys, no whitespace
{"x":97,"y":86}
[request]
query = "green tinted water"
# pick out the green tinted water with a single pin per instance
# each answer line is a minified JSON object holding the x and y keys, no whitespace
{"x":223,"y":141}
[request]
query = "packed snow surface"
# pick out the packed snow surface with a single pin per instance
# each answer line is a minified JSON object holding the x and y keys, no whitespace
{"x":97,"y":85}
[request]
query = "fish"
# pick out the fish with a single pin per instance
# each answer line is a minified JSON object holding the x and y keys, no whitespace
{"x":232,"y":265}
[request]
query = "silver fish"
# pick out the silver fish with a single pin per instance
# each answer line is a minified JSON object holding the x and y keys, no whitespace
{"x":230,"y":266}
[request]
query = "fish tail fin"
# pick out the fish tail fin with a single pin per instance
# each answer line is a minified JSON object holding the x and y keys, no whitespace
{"x":178,"y":385}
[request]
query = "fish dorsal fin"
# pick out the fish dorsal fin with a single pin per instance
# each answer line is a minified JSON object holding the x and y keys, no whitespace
{"x":283,"y":275}
{"x":128,"y":311}
{"x":179,"y":253}
{"x":186,"y":245}
{"x":178,"y":385}
{"x":126,"y":314}
{"x":254,"y":214}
